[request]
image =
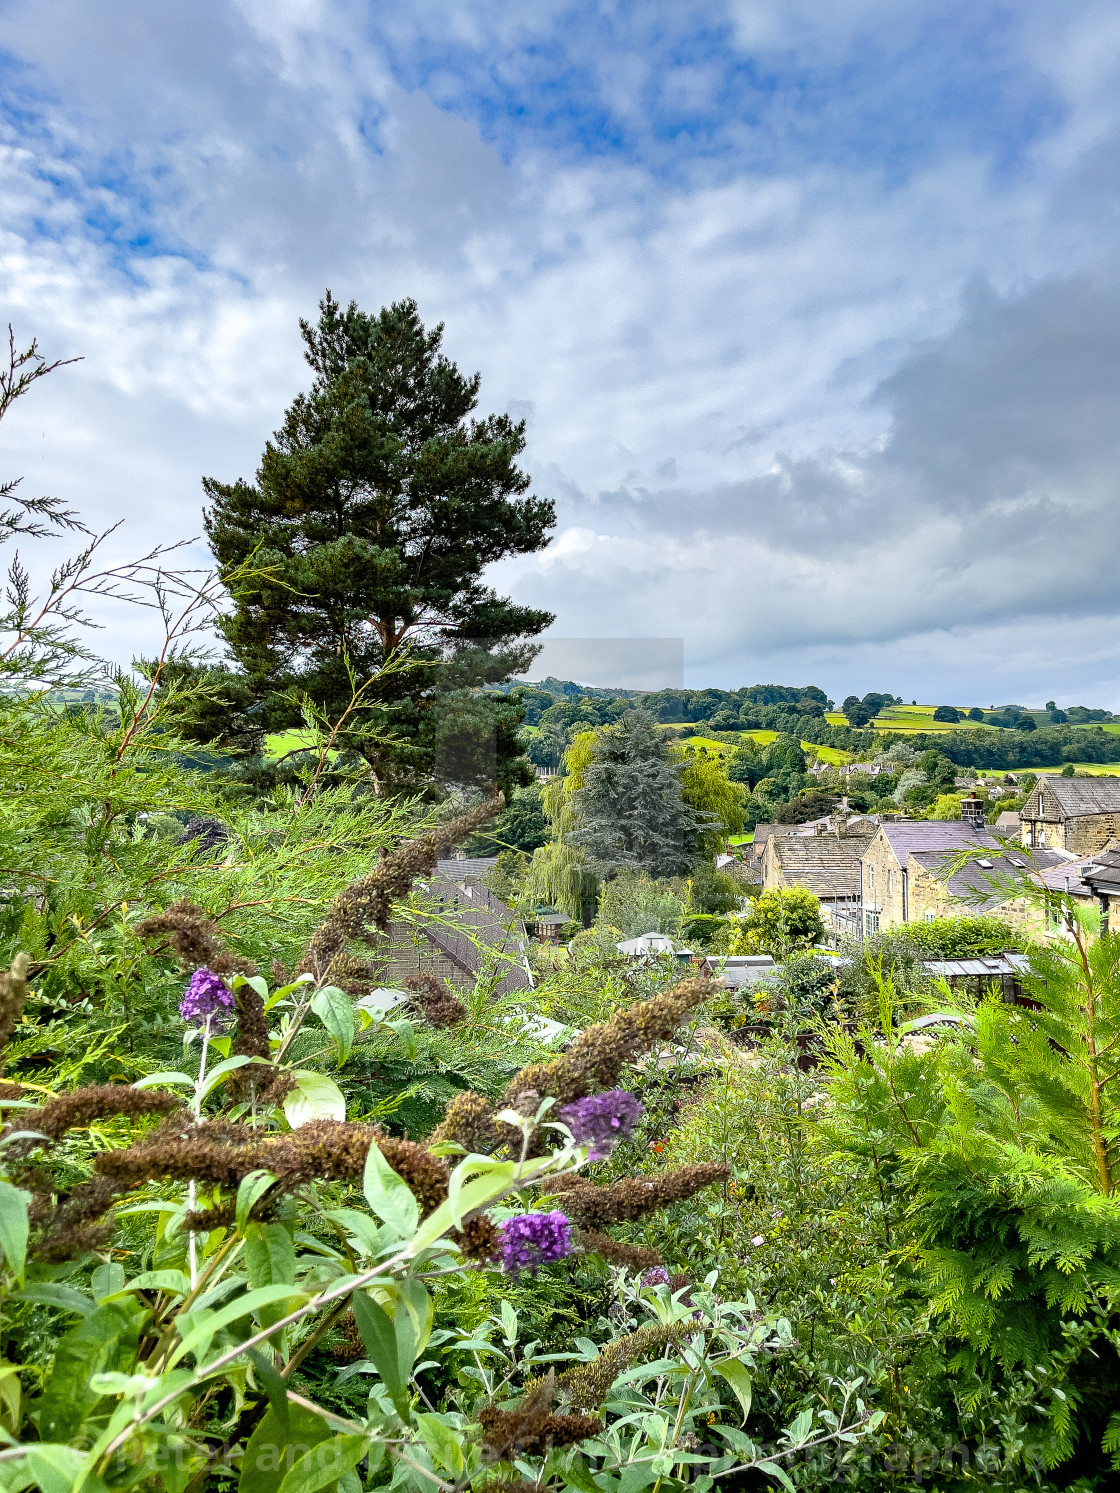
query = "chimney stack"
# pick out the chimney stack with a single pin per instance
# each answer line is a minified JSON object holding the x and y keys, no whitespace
{"x":972,"y":811}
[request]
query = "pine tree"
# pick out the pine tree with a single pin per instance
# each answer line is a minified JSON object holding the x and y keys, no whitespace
{"x":375,"y":511}
{"x":630,"y":812}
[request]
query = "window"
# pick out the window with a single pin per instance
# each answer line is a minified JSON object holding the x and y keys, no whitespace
{"x":870,"y":924}
{"x":871,"y":880}
{"x":930,"y":916}
{"x":890,"y":882}
{"x":1028,"y":840}
{"x":1041,"y":839}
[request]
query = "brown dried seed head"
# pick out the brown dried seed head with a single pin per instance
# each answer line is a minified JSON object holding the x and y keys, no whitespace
{"x":633,"y":1256}
{"x":102,"y":1101}
{"x":598,"y":1055}
{"x":634,"y":1197}
{"x":435,"y":1002}
{"x":588,"y":1384}
{"x":367,"y":903}
{"x":193,"y":937}
{"x":469,"y":1122}
{"x":532,"y":1429}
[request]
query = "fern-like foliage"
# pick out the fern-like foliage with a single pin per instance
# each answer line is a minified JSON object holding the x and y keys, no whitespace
{"x":1006,"y":1138}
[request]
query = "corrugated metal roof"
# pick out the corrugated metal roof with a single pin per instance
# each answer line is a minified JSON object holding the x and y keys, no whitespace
{"x":993,"y":965}
{"x":474,"y":867}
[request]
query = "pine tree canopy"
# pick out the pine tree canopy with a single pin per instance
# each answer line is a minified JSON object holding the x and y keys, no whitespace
{"x":376,"y":509}
{"x":630,"y":811}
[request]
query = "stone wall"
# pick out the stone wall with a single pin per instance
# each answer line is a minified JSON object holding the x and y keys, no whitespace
{"x":1083,"y":834}
{"x":882,"y":881}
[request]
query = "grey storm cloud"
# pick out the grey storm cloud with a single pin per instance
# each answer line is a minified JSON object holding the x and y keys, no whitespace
{"x":991,"y":495}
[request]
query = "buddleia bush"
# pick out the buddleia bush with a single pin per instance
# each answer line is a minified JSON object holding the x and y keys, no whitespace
{"x":226,"y":1241}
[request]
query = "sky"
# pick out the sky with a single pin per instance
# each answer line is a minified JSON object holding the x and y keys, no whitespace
{"x":813,"y":311}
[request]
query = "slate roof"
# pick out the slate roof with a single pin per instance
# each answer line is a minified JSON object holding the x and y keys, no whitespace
{"x":905,"y":836}
{"x":1066,"y":877}
{"x":973,"y":882}
{"x":828,"y":865}
{"x":474,"y":913}
{"x":1078,"y":796}
{"x":1102,"y":872}
{"x":828,"y":883}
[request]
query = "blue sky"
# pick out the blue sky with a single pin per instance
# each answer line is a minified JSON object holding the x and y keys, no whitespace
{"x":813,"y":311}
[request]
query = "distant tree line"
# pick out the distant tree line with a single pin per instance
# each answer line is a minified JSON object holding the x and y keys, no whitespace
{"x":1042,"y":747}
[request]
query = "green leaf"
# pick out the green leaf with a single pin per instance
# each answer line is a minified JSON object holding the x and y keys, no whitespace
{"x":772,"y":1470}
{"x":196,"y":1332}
{"x":366,"y":1234}
{"x":104,"y":1343}
{"x":173,"y":1282}
{"x":14,"y":1227}
{"x":273,"y":1386}
{"x":50,"y":1293}
{"x":742,"y":1384}
{"x":379,"y":1338}
{"x":388,"y":1195}
{"x":160,"y":1080}
{"x":315,"y":1097}
{"x":215,"y":1076}
{"x":253,"y":1187}
{"x":272,"y":1451}
{"x":55,"y":1468}
{"x":478,"y":1166}
{"x":257,"y":983}
{"x":474,"y":1195}
{"x":801,"y":1427}
{"x":106,"y":1281}
{"x":334,"y":1010}
{"x":509,"y":1323}
{"x":270,"y":1258}
{"x":578,"y":1477}
{"x":324,"y":1464}
{"x":444,"y":1443}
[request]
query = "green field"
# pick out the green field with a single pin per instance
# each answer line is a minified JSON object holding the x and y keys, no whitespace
{"x":832,"y":755}
{"x":910,"y":718}
{"x":286,"y":741}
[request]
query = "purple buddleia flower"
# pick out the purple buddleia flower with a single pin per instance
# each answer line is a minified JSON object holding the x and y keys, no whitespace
{"x":602,"y":1120}
{"x":534,"y":1239}
{"x":657,"y":1275}
{"x":206,"y":997}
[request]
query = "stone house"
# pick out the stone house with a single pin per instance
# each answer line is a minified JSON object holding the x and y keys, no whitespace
{"x":1079,"y":815}
{"x":1093,"y":881}
{"x":461,"y":930}
{"x":827,"y":865}
{"x":907,"y":873}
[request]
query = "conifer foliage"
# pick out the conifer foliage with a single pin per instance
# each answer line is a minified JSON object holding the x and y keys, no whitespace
{"x":377,"y":506}
{"x":631,"y":811}
{"x":1010,"y":1142}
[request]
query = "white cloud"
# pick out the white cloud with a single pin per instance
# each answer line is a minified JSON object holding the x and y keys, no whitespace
{"x":709,"y":310}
